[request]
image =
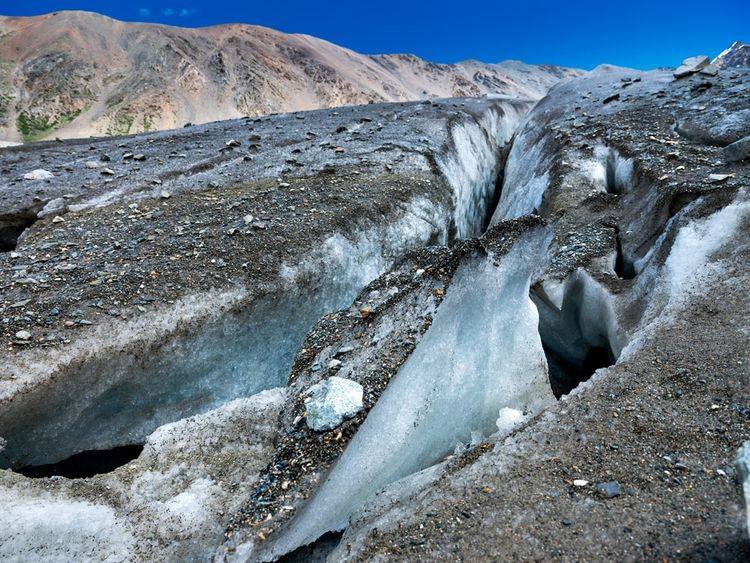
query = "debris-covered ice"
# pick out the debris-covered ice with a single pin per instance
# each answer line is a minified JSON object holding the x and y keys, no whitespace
{"x":482,"y":353}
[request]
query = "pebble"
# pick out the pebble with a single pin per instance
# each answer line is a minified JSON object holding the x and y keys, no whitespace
{"x":107,"y":172}
{"x":580,"y":483}
{"x":23,"y":335}
{"x":610,"y":489}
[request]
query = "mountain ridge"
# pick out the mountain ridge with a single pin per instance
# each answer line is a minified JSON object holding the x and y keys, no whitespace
{"x":76,"y":74}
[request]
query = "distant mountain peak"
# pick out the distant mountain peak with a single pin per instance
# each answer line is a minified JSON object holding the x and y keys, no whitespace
{"x":738,"y":54}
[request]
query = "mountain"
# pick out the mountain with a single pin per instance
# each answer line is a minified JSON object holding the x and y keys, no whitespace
{"x":74,"y":74}
{"x":738,"y":54}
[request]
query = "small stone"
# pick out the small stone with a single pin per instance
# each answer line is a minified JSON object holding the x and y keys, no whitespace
{"x":611,"y":98}
{"x":365,"y":312}
{"x":248,"y":219}
{"x":23,"y":335}
{"x":58,"y":219}
{"x":107,"y":172}
{"x":127,"y":156}
{"x":334,"y":364}
{"x":332,"y":401}
{"x":338,"y":149}
{"x":580,"y":483}
{"x":610,"y":489}
{"x":139,"y":157}
{"x":92,"y":164}
{"x":104,"y":158}
{"x":232,"y":143}
{"x":165,"y":194}
{"x":38,"y":174}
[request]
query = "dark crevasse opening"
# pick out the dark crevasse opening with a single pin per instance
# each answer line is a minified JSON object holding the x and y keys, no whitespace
{"x":11,"y":231}
{"x":575,"y":337}
{"x":85,"y":464}
{"x":564,"y":376}
{"x":624,"y":266}
{"x":316,"y":552}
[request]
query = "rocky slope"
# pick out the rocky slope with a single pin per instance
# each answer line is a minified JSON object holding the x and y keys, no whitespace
{"x":546,"y":311}
{"x":737,"y":55}
{"x":76,"y":74}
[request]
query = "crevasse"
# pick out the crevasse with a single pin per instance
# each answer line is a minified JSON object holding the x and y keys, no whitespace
{"x":481,"y":354}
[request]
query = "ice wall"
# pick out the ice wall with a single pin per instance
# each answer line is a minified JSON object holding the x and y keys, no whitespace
{"x":526,"y":174}
{"x":473,"y":165}
{"x":481,"y":354}
{"x":123,"y":387}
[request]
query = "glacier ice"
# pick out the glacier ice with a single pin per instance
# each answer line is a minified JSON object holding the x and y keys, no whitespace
{"x":526,"y":175}
{"x":482,"y":353}
{"x":472,"y":167}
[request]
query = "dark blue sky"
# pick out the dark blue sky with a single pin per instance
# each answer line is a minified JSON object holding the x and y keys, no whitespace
{"x":635,"y":33}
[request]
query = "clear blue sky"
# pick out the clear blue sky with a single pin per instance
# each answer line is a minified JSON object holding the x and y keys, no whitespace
{"x":636,"y":33}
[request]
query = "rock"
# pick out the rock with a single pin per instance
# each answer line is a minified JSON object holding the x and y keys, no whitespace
{"x":743,"y":471}
{"x":610,"y":489}
{"x":580,"y":483}
{"x":232,"y":143}
{"x":58,"y":219}
{"x":92,"y":164}
{"x":23,"y":335}
{"x":718,"y":178}
{"x":107,"y":172}
{"x":738,"y":151}
{"x":331,"y":402}
{"x":334,"y":364}
{"x":165,"y":194}
{"x":139,"y":157}
{"x":53,"y":206}
{"x":611,"y":98}
{"x":127,"y":156}
{"x":105,"y":158}
{"x":38,"y":174}
{"x":691,"y":65}
{"x":710,"y":70}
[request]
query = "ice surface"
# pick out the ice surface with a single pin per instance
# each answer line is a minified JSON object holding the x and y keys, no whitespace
{"x":472,"y":167}
{"x":743,"y":470}
{"x":613,"y":173}
{"x":42,"y":528}
{"x":482,"y":353}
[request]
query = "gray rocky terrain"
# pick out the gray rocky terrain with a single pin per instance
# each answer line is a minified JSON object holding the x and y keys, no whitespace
{"x":539,"y":311}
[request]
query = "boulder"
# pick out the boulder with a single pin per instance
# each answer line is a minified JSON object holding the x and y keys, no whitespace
{"x":691,"y":65}
{"x":738,"y":151}
{"x":331,"y":402}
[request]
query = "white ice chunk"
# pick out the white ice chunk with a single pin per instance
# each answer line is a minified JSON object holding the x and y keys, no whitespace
{"x":481,"y":353}
{"x":508,"y":419}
